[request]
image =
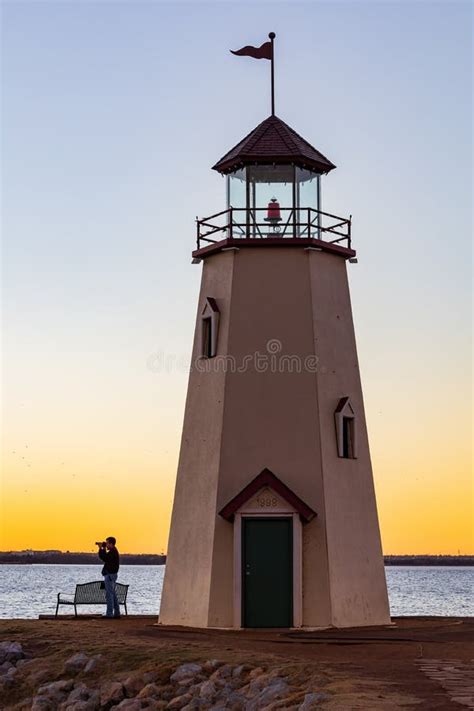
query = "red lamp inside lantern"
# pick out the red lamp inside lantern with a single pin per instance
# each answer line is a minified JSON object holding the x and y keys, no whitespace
{"x":273,"y":211}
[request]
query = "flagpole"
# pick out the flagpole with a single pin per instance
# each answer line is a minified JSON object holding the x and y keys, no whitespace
{"x":272,"y":37}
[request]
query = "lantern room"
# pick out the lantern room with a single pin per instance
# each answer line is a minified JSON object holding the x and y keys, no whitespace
{"x":274,"y":177}
{"x":273,"y":180}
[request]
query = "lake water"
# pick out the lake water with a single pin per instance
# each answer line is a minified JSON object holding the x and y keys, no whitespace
{"x":30,"y":590}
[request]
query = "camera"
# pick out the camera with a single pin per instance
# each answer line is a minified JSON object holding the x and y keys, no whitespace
{"x":100,"y":543}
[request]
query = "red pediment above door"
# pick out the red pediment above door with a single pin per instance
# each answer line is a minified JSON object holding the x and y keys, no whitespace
{"x":266,"y":478}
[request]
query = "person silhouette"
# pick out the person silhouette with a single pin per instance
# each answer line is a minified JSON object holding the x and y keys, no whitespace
{"x":109,"y":555}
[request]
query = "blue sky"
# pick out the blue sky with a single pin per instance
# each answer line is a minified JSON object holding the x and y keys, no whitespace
{"x":113,"y":113}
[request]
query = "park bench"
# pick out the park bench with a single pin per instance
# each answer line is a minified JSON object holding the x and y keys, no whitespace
{"x":92,"y":594}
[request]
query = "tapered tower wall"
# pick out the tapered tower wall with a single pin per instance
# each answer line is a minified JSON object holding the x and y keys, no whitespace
{"x":186,"y":588}
{"x":357,"y":575}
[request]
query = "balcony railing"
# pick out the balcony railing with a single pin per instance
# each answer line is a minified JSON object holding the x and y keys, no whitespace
{"x":294,"y":223}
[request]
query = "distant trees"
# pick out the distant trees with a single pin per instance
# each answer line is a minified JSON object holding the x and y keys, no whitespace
{"x":58,"y":557}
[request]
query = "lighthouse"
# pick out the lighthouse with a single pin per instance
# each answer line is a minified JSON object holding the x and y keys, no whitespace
{"x":274,"y":519}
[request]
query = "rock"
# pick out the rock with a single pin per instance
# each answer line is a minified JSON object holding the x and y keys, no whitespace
{"x":212,"y":664}
{"x":208,"y":690}
{"x":10,"y":651}
{"x":168,"y":692}
{"x":155,"y":704}
{"x":6,"y":683}
{"x":256,"y":672}
{"x":11,"y":673}
{"x":195,"y":704}
{"x":24,"y":662}
{"x":180,"y":702}
{"x":43,"y":703}
{"x":133,"y":684}
{"x":129,"y":705}
{"x":51,"y":696}
{"x":81,"y":692}
{"x":76,"y":663}
{"x":150,"y":677}
{"x":5,"y":667}
{"x":150,"y":690}
{"x":236,"y":701}
{"x":312,"y":701}
{"x":81,"y":698}
{"x":244,"y":691}
{"x":84,"y":705}
{"x":185,"y":671}
{"x":190,"y":681}
{"x":195,"y":689}
{"x":224,"y":672}
{"x":56,"y":688}
{"x":239,"y":686}
{"x":181,"y":690}
{"x":239,"y":671}
{"x":225,"y":690}
{"x":256,"y":684}
{"x":111,"y":693}
{"x":91,"y":665}
{"x":277,"y":689}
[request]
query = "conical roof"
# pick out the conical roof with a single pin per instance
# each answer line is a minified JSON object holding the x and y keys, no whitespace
{"x":273,"y":141}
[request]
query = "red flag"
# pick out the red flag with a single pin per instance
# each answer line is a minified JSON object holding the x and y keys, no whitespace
{"x":263,"y":52}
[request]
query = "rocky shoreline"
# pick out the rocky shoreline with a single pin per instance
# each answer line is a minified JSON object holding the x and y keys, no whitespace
{"x":211,"y":686}
{"x":82,"y":664}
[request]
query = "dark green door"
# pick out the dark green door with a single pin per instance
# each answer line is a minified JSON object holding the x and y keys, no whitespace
{"x":267,"y":572}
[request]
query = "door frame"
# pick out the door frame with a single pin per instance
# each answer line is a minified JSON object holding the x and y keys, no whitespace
{"x":297,"y":572}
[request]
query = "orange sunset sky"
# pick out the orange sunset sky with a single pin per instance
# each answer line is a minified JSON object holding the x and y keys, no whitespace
{"x":108,"y":144}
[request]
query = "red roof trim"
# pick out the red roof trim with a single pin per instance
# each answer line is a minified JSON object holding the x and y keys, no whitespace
{"x":267,"y":478}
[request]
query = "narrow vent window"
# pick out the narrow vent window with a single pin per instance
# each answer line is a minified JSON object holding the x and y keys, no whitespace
{"x":347,"y":423}
{"x":346,"y":429}
{"x":209,"y":328}
{"x":207,"y":337}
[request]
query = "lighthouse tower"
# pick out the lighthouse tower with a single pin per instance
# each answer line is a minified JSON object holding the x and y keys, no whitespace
{"x":274,"y":520}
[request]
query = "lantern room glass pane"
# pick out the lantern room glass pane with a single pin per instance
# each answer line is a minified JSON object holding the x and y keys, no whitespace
{"x":307,"y":195}
{"x":268,"y":183}
{"x":237,"y":199}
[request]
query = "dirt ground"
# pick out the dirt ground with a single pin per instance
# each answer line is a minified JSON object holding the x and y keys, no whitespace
{"x":419,"y":663}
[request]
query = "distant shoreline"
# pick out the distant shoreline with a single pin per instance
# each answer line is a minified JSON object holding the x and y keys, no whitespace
{"x":464,"y":560}
{"x":59,"y":558}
